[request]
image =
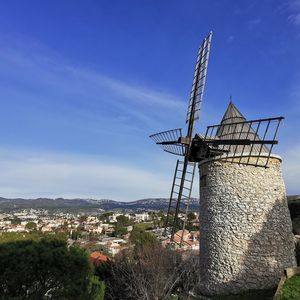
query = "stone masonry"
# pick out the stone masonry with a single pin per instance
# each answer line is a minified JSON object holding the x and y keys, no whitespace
{"x":246,"y":235}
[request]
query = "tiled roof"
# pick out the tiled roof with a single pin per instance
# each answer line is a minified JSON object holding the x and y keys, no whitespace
{"x":97,"y":257}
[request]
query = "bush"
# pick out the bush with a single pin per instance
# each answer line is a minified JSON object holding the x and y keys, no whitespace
{"x":32,"y":269}
{"x":148,"y":272}
{"x":141,"y":238}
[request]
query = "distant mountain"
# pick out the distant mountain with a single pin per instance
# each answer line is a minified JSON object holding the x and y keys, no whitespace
{"x":105,"y":204}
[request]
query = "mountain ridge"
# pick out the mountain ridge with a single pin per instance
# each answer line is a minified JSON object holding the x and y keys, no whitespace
{"x":105,"y":204}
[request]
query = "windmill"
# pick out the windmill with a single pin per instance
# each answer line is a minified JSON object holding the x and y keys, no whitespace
{"x":235,"y":140}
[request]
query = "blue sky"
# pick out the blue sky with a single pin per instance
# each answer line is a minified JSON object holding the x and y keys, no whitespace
{"x":84,"y":83}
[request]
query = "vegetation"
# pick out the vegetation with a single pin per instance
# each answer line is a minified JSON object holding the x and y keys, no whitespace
{"x":34,"y":236}
{"x":120,"y":230}
{"x":123,"y":221}
{"x":294,"y":207}
{"x":191,"y":216}
{"x":16,"y":221}
{"x":99,"y":248}
{"x":249,"y":295}
{"x":105,"y":216}
{"x":31,"y":226}
{"x":37,"y":268}
{"x":148,"y":272}
{"x":291,"y":289}
{"x":141,"y":238}
{"x":144,"y":226}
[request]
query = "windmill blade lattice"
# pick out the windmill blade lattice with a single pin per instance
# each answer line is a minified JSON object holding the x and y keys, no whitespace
{"x":173,"y":142}
{"x":196,"y":96}
{"x":249,"y":141}
{"x":168,"y":141}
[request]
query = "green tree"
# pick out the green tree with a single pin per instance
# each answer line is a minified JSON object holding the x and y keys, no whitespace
{"x":123,"y":220}
{"x":31,"y":269}
{"x":96,"y":288}
{"x":16,"y":221}
{"x":105,"y":216}
{"x":191,"y":216}
{"x":120,"y":230}
{"x":141,"y":238}
{"x":31,"y":226}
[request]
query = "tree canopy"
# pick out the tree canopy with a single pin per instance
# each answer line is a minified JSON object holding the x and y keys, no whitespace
{"x":31,"y":226}
{"x":141,"y":238}
{"x":33,"y":269}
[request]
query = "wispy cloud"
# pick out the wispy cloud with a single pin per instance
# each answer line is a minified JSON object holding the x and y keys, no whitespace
{"x":292,"y":9}
{"x":33,"y":174}
{"x":52,"y":104}
{"x":83,"y":90}
{"x":294,"y":18}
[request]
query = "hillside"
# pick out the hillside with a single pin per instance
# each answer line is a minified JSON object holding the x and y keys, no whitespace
{"x":105,"y":204}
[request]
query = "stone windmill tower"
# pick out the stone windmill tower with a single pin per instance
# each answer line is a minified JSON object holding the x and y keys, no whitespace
{"x":245,"y":227}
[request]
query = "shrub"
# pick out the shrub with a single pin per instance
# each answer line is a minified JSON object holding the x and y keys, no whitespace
{"x":32,"y":269}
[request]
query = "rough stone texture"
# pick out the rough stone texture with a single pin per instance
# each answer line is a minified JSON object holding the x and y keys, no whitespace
{"x":246,"y":235}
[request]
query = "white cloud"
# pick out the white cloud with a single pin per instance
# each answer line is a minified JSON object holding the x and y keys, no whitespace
{"x":31,"y":175}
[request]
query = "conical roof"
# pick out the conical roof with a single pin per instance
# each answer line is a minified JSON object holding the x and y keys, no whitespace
{"x":231,"y":130}
{"x":232,"y":114}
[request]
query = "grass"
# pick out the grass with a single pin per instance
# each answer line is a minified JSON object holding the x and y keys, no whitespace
{"x":249,"y":295}
{"x":291,"y":289}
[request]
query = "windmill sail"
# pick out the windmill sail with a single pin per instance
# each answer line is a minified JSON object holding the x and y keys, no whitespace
{"x":196,"y":96}
{"x":235,"y":137}
{"x":172,"y":141}
{"x":169,"y":141}
{"x":193,"y":113}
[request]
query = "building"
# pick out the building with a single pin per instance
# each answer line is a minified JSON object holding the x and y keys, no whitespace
{"x":190,"y":240}
{"x":246,"y":235}
{"x":98,"y":258}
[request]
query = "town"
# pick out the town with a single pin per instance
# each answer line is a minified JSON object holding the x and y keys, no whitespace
{"x":106,"y":233}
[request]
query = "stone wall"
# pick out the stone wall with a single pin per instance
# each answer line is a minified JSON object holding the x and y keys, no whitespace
{"x":246,"y":235}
